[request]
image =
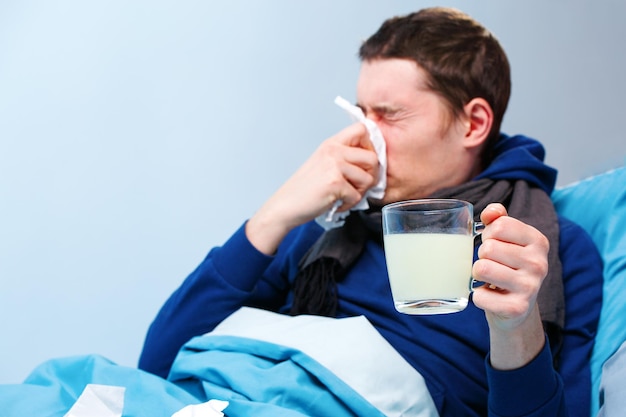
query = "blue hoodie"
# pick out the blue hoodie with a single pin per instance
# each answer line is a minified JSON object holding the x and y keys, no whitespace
{"x":450,"y":351}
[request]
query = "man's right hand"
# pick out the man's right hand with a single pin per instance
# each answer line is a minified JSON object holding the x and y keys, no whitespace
{"x":342,"y":168}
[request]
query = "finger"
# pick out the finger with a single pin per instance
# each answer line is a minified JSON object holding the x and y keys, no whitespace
{"x":493,"y":274}
{"x":505,"y":292}
{"x":360,"y":179}
{"x":350,"y":146}
{"x":506,"y":253}
{"x":501,"y":303}
{"x":509,"y":229}
{"x":365,"y":159}
{"x":355,"y":135}
{"x":503,"y":277}
{"x":354,"y":184}
{"x":515,"y":245}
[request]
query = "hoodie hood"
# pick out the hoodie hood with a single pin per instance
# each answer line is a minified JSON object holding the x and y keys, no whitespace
{"x":520,"y":157}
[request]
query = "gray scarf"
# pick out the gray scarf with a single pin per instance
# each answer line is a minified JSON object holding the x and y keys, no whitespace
{"x":329,"y":259}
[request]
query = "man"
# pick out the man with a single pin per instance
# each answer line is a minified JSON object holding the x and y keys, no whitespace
{"x":437,"y":84}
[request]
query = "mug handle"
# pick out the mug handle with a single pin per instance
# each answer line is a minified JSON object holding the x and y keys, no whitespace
{"x":477,"y":229}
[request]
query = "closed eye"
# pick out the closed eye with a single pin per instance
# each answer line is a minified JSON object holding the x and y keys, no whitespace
{"x":382,"y":113}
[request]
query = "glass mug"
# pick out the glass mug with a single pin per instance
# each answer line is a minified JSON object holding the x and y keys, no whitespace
{"x":429,"y":250}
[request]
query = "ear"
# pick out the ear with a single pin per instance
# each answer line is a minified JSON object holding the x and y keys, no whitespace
{"x":478,"y":122}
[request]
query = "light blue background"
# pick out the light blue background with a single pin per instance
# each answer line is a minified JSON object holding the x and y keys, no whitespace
{"x":136,"y":135}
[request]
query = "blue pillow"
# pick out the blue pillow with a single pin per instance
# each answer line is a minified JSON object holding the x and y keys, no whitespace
{"x":598,"y":204}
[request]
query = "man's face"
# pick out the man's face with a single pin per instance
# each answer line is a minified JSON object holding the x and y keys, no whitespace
{"x":425,"y":150}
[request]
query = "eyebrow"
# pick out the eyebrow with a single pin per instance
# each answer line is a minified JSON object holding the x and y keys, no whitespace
{"x":380,"y":109}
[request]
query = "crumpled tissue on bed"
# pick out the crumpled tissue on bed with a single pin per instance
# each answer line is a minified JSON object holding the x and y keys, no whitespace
{"x":211,"y":408}
{"x":99,"y":400}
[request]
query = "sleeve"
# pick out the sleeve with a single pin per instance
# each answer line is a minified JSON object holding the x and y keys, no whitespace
{"x":538,"y":389}
{"x":229,"y":277}
{"x":534,"y":390}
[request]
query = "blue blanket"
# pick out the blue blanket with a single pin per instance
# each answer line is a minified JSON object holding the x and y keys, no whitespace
{"x":257,"y":378}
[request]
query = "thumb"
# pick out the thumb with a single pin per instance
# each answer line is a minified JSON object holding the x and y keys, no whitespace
{"x":492,"y":212}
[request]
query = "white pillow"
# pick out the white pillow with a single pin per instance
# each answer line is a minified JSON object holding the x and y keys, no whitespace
{"x":378,"y":373}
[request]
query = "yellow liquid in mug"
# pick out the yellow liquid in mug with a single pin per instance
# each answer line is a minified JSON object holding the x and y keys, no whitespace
{"x":429,"y":273}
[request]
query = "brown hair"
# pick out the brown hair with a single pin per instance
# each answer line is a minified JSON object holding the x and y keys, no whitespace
{"x":462,"y":58}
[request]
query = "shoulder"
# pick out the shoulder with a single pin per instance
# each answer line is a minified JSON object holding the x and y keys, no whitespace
{"x":579,"y":254}
{"x":573,"y":234}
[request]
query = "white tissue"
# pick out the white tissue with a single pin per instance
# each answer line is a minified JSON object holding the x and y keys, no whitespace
{"x":99,"y":401}
{"x":332,"y":218}
{"x":211,"y":408}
